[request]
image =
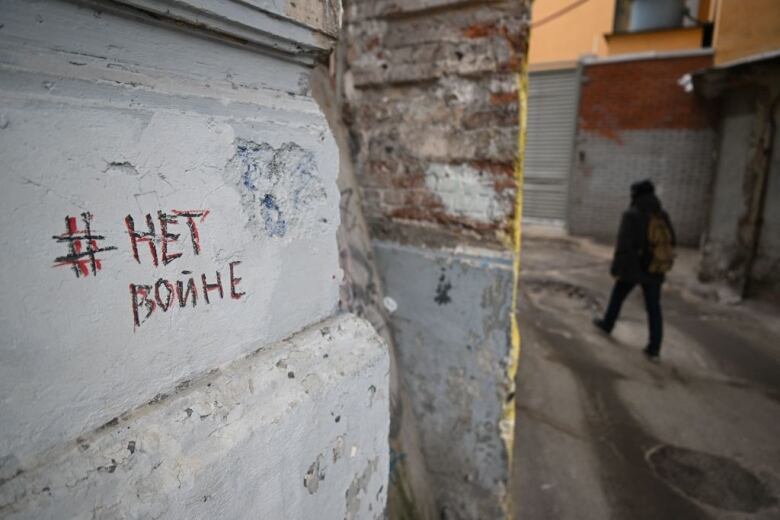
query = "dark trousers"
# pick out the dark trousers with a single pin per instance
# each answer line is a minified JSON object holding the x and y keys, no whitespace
{"x":652,"y":294}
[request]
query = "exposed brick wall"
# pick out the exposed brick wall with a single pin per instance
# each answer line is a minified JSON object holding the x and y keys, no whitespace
{"x":642,"y":95}
{"x":432,"y":100}
{"x":637,"y":122}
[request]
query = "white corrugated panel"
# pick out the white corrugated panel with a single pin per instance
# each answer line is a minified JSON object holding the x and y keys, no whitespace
{"x":552,"y":114}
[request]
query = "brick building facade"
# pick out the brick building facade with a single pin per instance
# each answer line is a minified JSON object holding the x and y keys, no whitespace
{"x":637,"y":121}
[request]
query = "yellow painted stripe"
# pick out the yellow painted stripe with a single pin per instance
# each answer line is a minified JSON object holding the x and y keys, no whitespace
{"x":508,"y":419}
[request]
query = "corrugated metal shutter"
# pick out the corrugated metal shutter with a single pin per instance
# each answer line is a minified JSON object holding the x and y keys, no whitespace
{"x":552,"y":113}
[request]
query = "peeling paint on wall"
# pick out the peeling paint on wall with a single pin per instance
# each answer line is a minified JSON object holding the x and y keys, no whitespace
{"x":279,"y":187}
{"x":455,"y":362}
{"x":432,"y":101}
{"x":324,"y":15}
{"x":467,"y":192}
{"x":430,"y":96}
{"x":356,"y":493}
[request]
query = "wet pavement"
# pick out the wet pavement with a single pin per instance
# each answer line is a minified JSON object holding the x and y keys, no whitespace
{"x":603,"y":433}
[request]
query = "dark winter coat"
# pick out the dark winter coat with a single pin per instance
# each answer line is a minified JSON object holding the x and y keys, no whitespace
{"x":630,"y":260}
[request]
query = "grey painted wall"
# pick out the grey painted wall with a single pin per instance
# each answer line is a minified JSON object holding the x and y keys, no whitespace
{"x":736,"y":128}
{"x":296,"y":430}
{"x":108,"y":115}
{"x":679,"y":162}
{"x":725,"y":255}
{"x":737,"y":116}
{"x":452,"y":330}
{"x":766,"y":269}
{"x":121,"y":395}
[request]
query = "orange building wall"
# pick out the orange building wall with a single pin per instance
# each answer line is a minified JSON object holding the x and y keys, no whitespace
{"x":744,"y":28}
{"x":657,"y":41}
{"x":576,"y":32}
{"x":586,"y":29}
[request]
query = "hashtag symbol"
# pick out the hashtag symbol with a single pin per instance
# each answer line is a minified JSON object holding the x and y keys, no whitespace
{"x":82,"y":247}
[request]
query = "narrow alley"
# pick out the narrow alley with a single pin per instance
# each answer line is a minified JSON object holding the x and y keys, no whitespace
{"x":604,"y":433}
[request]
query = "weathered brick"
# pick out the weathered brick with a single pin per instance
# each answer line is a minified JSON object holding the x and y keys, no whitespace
{"x":435,"y":83}
{"x":642,"y":95}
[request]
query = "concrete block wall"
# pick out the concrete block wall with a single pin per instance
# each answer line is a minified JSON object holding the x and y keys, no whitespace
{"x":432,"y":104}
{"x":169,"y":223}
{"x":636,"y":122}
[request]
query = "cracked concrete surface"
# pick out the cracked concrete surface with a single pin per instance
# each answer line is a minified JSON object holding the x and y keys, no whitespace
{"x":591,"y":410}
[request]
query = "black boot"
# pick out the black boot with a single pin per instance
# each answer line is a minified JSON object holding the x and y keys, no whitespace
{"x":599,"y":323}
{"x":651,"y":355}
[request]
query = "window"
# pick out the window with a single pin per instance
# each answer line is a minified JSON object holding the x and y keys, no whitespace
{"x":649,"y":15}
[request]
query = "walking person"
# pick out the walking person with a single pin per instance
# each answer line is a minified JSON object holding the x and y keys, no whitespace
{"x":643,"y":254}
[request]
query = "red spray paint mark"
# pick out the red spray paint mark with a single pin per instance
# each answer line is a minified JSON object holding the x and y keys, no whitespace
{"x":82,"y":247}
{"x":191,"y":215}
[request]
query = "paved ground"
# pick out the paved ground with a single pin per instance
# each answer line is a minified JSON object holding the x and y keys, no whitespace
{"x":603,"y":433}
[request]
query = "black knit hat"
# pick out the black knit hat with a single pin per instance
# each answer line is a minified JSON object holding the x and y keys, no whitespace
{"x":641,"y":188}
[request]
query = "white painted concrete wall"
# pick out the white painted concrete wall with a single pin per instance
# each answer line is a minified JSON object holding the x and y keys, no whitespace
{"x":107,"y":115}
{"x":296,"y":430}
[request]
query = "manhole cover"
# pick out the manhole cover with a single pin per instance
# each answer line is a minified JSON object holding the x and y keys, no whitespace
{"x":713,"y":480}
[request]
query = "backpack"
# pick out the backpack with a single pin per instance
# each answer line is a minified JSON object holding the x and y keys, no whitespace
{"x":660,"y":246}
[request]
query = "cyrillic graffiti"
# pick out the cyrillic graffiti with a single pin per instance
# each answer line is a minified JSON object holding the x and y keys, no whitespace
{"x":165,"y":245}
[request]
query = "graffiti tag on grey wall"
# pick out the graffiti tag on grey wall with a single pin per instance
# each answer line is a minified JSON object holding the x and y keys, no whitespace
{"x":159,"y":240}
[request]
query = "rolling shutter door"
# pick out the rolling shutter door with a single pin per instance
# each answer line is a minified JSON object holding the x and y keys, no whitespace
{"x":552,"y":113}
